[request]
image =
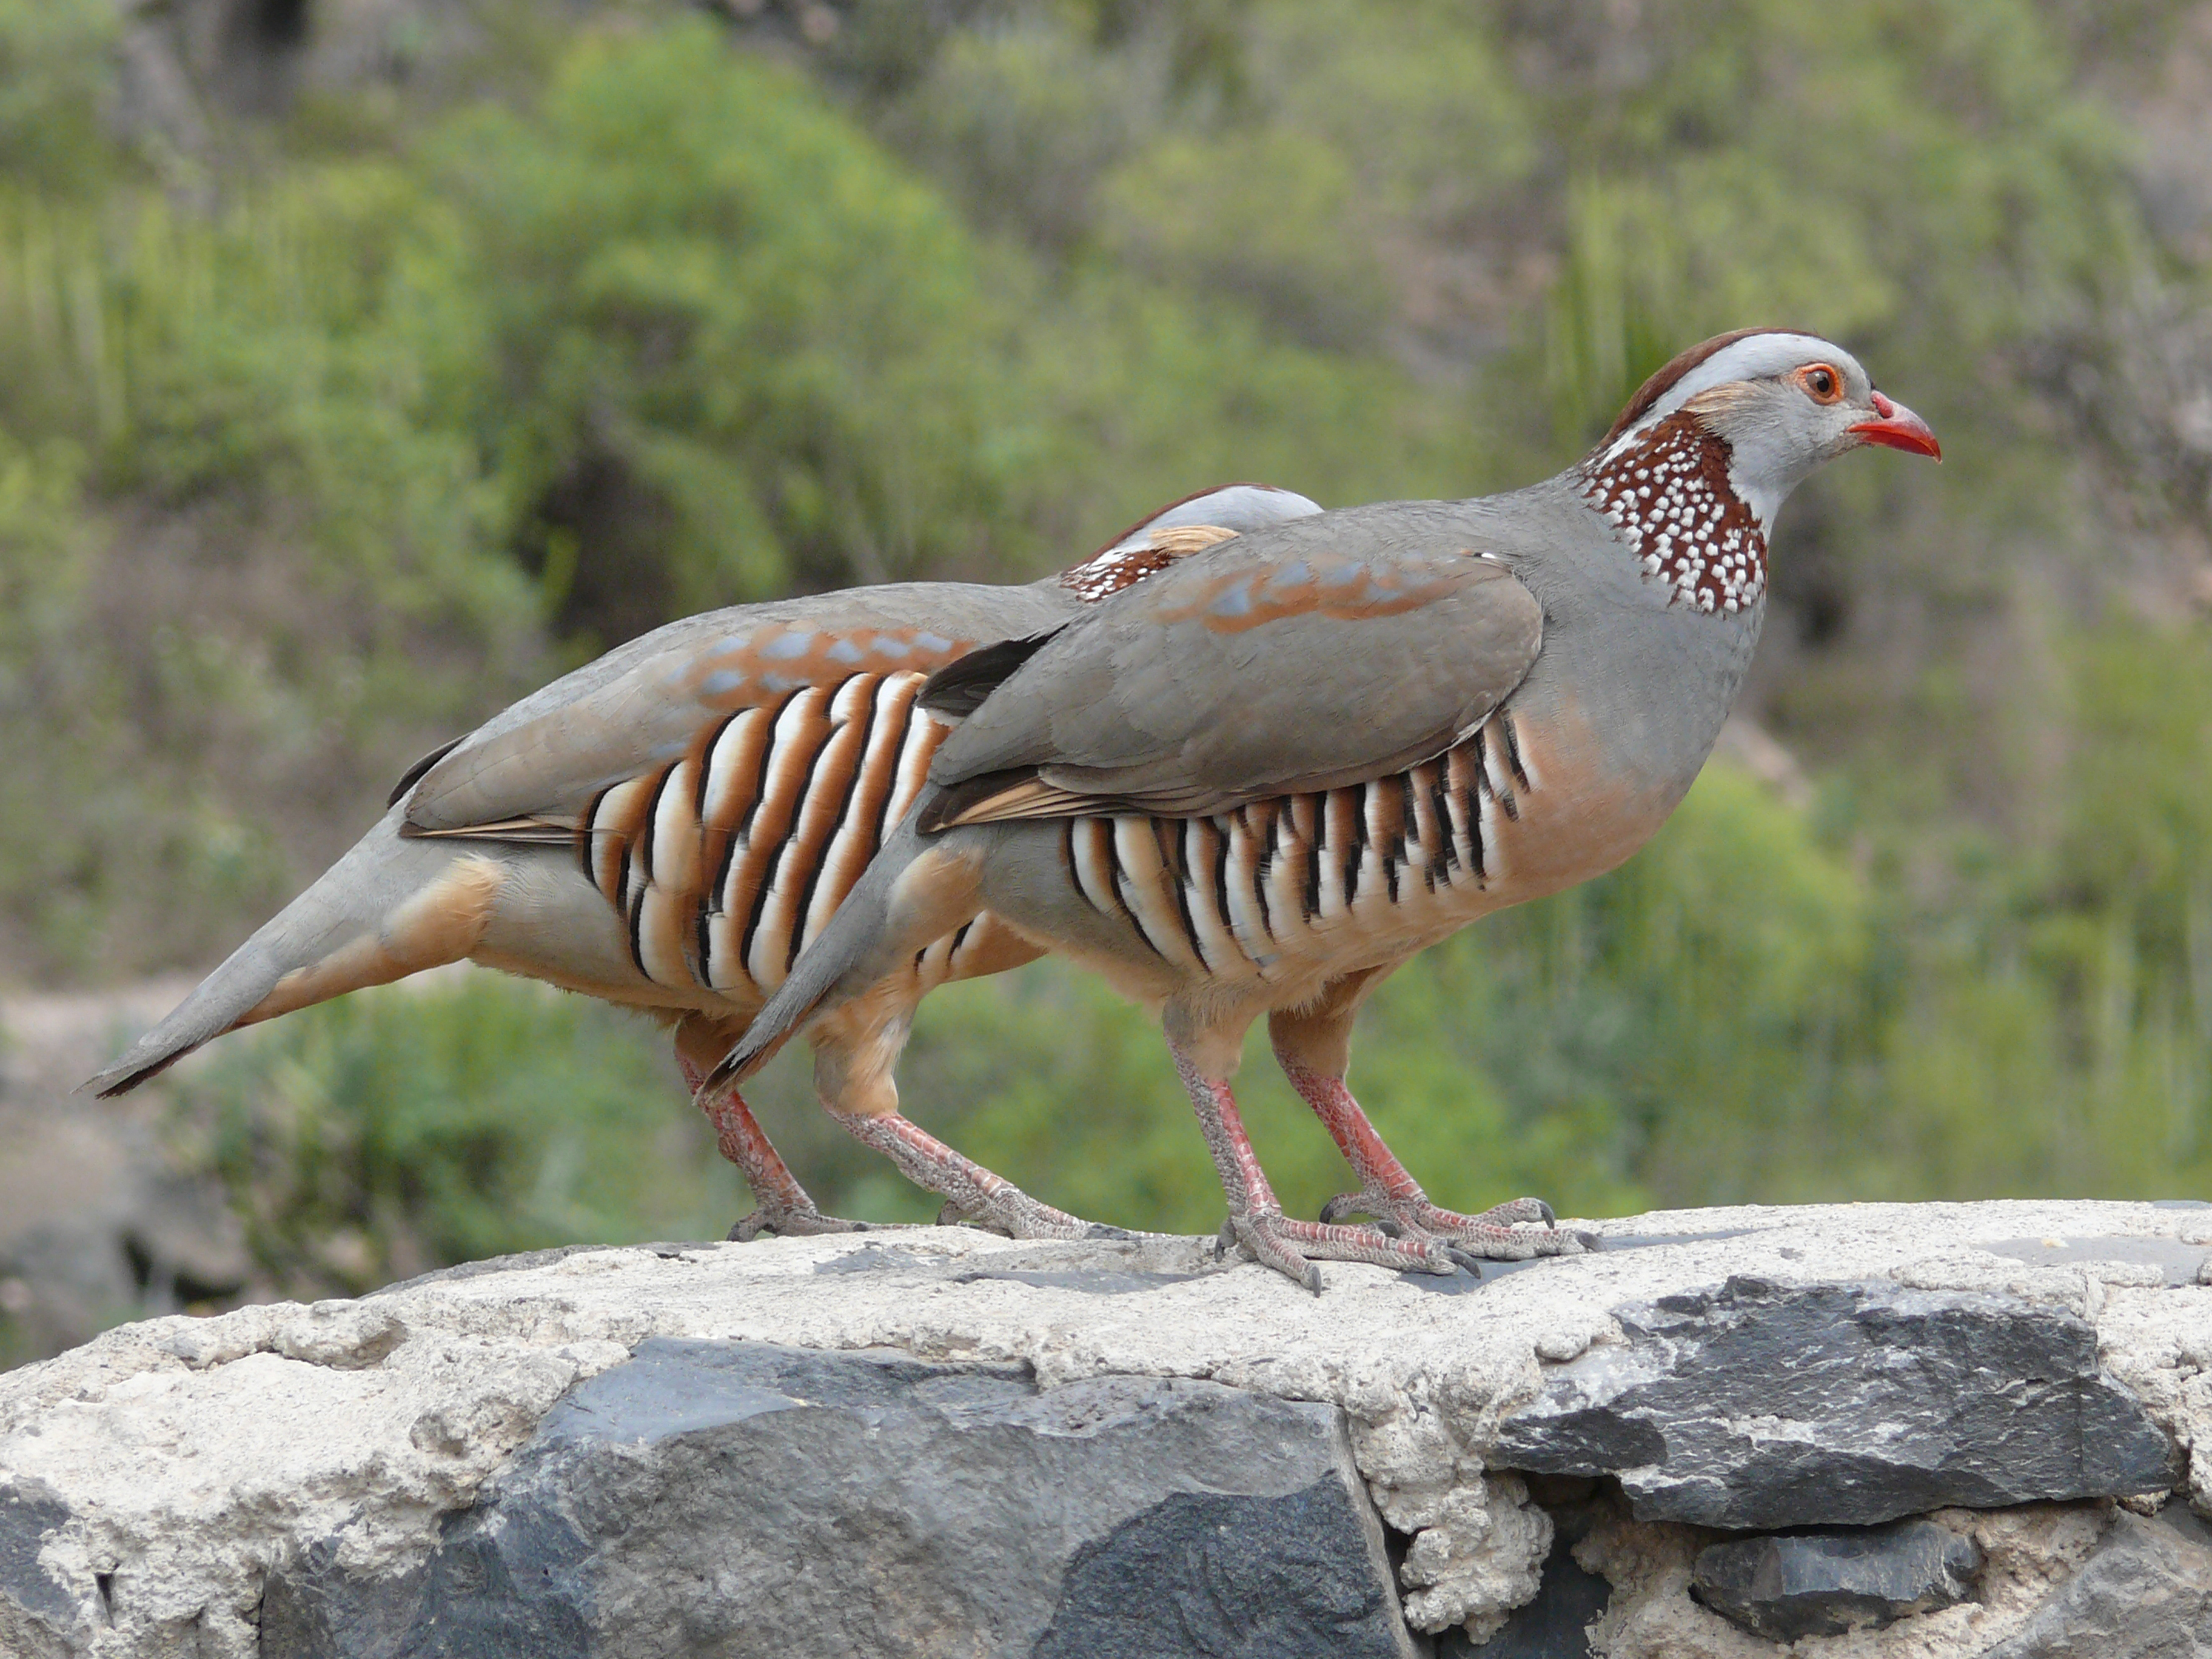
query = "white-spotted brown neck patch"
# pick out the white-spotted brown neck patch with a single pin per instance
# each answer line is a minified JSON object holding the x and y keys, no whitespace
{"x":1107,"y":573}
{"x":1668,"y":494}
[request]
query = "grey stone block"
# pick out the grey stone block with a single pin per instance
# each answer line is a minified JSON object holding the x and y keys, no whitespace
{"x":2145,"y":1594}
{"x":741,"y":1500}
{"x":1212,"y":1573}
{"x":1757,"y":1406}
{"x":25,"y":1519}
{"x":1835,"y":1580}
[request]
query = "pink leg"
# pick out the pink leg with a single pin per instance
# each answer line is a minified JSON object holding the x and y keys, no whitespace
{"x":1388,"y":1193}
{"x":1256,"y":1218}
{"x":969,"y":1189}
{"x":782,"y":1206}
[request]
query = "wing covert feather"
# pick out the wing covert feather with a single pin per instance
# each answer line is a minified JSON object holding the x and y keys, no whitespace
{"x":1240,"y":675}
{"x":645,"y":707}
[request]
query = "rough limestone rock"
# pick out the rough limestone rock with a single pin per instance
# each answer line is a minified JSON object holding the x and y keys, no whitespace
{"x":683,"y":1491}
{"x":1767,"y":1405}
{"x":1834,"y":1579}
{"x":1555,"y":1624}
{"x":2145,"y":1594}
{"x":939,"y":1442}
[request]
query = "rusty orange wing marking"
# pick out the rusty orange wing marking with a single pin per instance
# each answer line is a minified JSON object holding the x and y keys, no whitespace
{"x":1342,"y":589}
{"x":1151,"y":704}
{"x":742,"y":787}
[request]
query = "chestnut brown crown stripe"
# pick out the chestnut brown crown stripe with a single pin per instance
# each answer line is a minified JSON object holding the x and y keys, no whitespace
{"x":1663,"y":379}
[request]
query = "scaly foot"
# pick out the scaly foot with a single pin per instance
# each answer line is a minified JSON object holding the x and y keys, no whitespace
{"x":791,"y":1221}
{"x":1515,"y":1231}
{"x":1291,"y":1248}
{"x":1012,"y":1214}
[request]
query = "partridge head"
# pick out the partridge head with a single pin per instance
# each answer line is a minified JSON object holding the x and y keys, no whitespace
{"x":1693,"y":471}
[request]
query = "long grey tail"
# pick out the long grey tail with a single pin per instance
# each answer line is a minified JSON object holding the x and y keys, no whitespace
{"x":389,"y":908}
{"x":844,"y":959}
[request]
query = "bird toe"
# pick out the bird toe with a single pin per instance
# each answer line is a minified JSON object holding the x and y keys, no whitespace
{"x":809,"y":1223}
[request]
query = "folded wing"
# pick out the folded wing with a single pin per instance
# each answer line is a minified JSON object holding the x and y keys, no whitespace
{"x":1243,"y":672}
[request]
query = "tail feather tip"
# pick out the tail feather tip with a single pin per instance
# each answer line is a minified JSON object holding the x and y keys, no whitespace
{"x":136,"y":1066}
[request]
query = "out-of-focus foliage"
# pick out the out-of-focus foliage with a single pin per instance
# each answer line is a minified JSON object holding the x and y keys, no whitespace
{"x":1922,"y":177}
{"x":325,"y":430}
{"x":337,"y":450}
{"x":55,"y":64}
{"x":710,"y":315}
{"x":393,"y":1133}
{"x":255,"y":545}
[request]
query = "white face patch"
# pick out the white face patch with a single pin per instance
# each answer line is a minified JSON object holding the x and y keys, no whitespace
{"x":1763,"y":356}
{"x":1667,"y":492}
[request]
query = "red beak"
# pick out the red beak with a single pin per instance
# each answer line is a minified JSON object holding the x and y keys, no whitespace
{"x":1899,"y":428}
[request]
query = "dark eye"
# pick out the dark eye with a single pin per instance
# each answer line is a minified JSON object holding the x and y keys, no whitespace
{"x":1821,"y":383}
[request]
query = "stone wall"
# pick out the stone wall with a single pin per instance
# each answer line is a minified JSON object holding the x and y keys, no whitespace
{"x":1867,"y":1429}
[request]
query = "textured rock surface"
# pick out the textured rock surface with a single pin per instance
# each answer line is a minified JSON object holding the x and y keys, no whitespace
{"x":2145,"y":1594}
{"x":1555,"y":1624}
{"x":1764,"y":1405}
{"x":283,"y":1477}
{"x":1827,"y":1582}
{"x":690,"y":1491}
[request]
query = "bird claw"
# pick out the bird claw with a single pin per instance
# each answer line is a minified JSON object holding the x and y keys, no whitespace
{"x":1520,"y":1212}
{"x":785,"y":1222}
{"x":1267,"y":1247}
{"x":1012,"y":1214}
{"x":1470,"y":1265}
{"x":1515,"y":1231}
{"x":1293,"y":1248}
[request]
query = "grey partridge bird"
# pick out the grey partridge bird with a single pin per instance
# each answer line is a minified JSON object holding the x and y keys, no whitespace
{"x":668,"y":827}
{"x":1260,"y":781}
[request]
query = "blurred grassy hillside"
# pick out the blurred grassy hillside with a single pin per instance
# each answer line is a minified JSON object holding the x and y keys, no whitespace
{"x":360,"y":367}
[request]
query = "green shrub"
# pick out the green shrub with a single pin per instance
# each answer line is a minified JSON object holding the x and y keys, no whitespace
{"x":397,"y":1130}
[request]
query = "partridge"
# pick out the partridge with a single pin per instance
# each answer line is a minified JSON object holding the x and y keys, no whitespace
{"x":667,"y":827}
{"x":1259,"y":782}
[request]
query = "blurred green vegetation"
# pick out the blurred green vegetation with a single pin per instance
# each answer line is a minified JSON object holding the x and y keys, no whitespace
{"x":327,"y":426}
{"x":395,"y":1133}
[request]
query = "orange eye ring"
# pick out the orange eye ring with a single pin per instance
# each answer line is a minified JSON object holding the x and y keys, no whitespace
{"x":1822,"y":382}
